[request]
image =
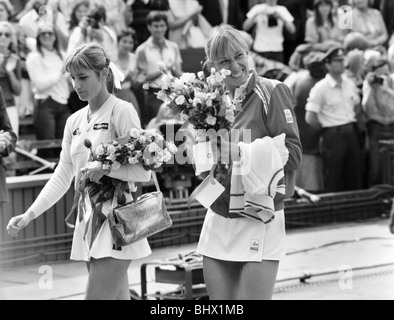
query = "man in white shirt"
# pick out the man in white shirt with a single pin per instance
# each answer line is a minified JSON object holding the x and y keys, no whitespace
{"x":332,"y":107}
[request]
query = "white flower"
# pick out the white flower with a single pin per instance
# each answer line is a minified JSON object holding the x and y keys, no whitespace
{"x":209,"y":103}
{"x":133,"y":160}
{"x":213,"y":70}
{"x":116,"y":165}
{"x":171,"y":147}
{"x":111,"y":157}
{"x":135,"y":133}
{"x":211,"y":120}
{"x":111,"y":149}
{"x":230,"y":115}
{"x":162,"y":96}
{"x":188,"y":77}
{"x":180,"y":100}
{"x":200,"y":95}
{"x":201,"y":75}
{"x":142,"y":139}
{"x":225,"y":73}
{"x":130,"y":146}
{"x":146,"y":86}
{"x":167,"y":156}
{"x":100,"y":151}
{"x":153,"y":147}
{"x":178,"y":85}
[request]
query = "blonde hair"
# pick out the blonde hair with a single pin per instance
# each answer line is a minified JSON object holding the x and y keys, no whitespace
{"x":14,"y":42}
{"x":224,"y":38}
{"x":91,"y":56}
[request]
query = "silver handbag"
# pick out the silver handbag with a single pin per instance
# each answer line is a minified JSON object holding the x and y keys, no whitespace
{"x":140,"y":219}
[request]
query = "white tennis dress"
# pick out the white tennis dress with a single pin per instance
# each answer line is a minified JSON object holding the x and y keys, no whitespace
{"x":74,"y":157}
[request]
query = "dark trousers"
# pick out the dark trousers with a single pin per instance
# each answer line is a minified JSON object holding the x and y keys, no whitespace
{"x":376,"y":133}
{"x":50,"y":120}
{"x":342,"y":159}
{"x":151,"y":107}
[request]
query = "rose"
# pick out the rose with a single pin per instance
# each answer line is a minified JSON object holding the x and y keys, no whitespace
{"x":188,"y":77}
{"x":100,"y":150}
{"x":135,"y":133}
{"x":180,"y":100}
{"x":111,"y":149}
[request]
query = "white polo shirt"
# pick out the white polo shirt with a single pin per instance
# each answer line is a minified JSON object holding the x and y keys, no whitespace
{"x":333,"y":102}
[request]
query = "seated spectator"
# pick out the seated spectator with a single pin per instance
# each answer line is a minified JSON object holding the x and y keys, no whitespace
{"x":93,"y":28}
{"x":369,"y":22}
{"x":267,"y":21}
{"x":127,"y":63}
{"x":378,"y":105}
{"x":51,"y":86}
{"x":322,"y":29}
{"x":10,"y":72}
{"x":156,"y":49}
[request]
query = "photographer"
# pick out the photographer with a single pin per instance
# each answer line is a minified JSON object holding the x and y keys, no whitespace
{"x":93,"y":28}
{"x":267,"y":22}
{"x":378,"y":106}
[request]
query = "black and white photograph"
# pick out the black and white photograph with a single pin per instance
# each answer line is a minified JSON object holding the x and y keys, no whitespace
{"x":197,"y":155}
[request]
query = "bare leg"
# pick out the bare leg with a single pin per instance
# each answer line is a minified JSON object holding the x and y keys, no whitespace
{"x":106,"y":279}
{"x":124,"y":293}
{"x":258,"y":280}
{"x":222,"y":279}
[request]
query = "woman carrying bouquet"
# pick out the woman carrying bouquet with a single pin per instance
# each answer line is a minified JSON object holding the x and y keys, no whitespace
{"x":243,"y":236}
{"x":105,"y":118}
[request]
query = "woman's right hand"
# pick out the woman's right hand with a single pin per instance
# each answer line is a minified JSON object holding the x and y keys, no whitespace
{"x":18,"y":223}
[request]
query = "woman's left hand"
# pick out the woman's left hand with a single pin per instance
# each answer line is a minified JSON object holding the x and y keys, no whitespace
{"x":94,"y":170}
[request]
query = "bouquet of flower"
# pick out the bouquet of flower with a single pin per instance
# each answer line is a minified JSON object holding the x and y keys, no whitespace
{"x":143,"y":147}
{"x":201,"y":100}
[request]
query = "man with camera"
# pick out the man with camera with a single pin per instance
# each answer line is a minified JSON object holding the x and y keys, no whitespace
{"x":268,"y":21}
{"x":378,"y":106}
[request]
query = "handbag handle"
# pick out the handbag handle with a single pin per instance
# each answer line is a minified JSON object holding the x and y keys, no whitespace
{"x":154,"y":176}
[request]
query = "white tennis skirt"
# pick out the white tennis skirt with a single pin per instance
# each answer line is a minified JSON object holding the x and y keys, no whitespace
{"x":242,"y":240}
{"x":103,"y":246}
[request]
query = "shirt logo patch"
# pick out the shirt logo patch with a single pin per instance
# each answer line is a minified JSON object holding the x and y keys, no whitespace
{"x":289,"y":116}
{"x":101,"y":126}
{"x":254,"y":245}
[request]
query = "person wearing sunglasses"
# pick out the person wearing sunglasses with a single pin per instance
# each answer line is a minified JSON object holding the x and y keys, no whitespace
{"x":10,"y":72}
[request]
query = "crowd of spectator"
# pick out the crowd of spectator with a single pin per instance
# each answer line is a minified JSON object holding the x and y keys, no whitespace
{"x":337,"y":57}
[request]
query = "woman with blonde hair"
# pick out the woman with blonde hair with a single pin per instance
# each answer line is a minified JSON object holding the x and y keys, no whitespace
{"x":243,"y":236}
{"x":94,"y":77}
